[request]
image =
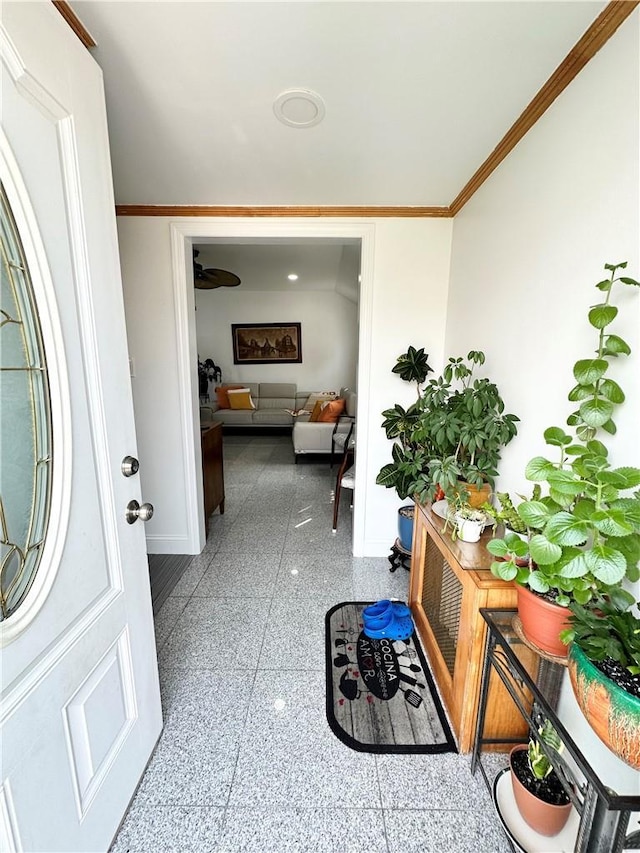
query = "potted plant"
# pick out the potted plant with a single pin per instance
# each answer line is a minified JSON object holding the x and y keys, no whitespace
{"x":506,"y":514}
{"x":407,"y":454}
{"x":463,"y":427}
{"x":207,"y":371}
{"x":604,"y":667}
{"x":448,"y":442}
{"x":584,"y":533}
{"x":539,"y":794}
{"x":469,"y":522}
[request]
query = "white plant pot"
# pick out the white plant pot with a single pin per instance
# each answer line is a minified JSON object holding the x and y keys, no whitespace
{"x":468,"y":531}
{"x":522,"y":536}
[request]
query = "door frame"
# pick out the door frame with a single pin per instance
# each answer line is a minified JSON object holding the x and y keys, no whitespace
{"x":186,"y":231}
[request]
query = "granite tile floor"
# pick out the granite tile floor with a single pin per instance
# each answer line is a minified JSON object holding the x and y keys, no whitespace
{"x":246,"y":762}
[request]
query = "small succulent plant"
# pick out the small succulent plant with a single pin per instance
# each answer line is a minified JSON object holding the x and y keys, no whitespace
{"x":539,"y":764}
{"x":507,"y":513}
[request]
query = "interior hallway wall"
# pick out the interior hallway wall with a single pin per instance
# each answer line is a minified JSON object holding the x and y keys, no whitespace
{"x":408,"y":285}
{"x":530,"y":246}
{"x":329,"y":331}
{"x":527,"y":252}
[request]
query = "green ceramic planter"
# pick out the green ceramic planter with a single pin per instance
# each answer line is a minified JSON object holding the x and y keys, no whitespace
{"x":612,"y":713}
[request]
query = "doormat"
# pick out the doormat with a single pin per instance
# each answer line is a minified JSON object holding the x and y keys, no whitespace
{"x":380,"y":693}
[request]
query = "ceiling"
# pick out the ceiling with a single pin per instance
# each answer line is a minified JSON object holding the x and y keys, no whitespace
{"x":320,"y":264}
{"x":416,"y":95}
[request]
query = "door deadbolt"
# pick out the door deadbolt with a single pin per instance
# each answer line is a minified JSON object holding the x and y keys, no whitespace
{"x":129,"y":466}
{"x":137,"y":511}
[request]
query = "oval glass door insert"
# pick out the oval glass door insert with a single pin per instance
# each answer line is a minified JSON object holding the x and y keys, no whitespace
{"x":25,"y":425}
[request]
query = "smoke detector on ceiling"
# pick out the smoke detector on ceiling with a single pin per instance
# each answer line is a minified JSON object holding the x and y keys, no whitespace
{"x":299,"y":108}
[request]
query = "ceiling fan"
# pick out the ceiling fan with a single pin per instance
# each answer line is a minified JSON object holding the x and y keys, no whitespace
{"x":212,"y":278}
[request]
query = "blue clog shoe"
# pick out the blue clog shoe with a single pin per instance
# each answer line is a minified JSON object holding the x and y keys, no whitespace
{"x":389,"y":626}
{"x":385,"y":605}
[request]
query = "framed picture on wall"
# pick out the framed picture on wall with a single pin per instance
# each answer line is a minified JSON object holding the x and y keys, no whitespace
{"x":266,"y":343}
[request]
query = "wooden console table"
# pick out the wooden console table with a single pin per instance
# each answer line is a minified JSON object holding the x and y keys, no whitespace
{"x":450,"y":581}
{"x":212,"y":470}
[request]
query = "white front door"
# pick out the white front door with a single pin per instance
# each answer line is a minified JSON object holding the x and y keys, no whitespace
{"x":80,"y":698}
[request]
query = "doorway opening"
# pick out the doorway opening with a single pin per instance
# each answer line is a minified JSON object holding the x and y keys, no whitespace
{"x":242,"y":247}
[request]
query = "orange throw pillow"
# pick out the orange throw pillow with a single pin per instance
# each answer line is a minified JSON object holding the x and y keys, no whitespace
{"x":317,"y":408}
{"x":222,"y":395}
{"x":331,"y":412}
{"x":240,"y":398}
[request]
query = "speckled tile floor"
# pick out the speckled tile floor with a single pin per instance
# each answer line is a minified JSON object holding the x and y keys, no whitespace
{"x":249,"y":764}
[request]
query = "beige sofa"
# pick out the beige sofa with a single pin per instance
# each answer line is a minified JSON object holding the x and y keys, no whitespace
{"x":320,"y":437}
{"x":274,"y":402}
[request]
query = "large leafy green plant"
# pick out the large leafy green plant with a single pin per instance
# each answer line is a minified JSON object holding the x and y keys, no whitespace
{"x":454,"y":431}
{"x":462,"y":428}
{"x":408,"y":455}
{"x":463,"y":419}
{"x":584,"y":534}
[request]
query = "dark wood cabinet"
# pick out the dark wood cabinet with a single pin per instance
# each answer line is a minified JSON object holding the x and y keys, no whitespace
{"x":212,"y":469}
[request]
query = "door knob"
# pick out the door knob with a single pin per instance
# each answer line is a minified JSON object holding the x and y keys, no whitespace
{"x":129,"y":466}
{"x":137,"y":511}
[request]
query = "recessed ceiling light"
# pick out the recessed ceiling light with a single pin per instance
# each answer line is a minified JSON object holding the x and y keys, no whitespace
{"x":292,"y":276}
{"x":299,"y":108}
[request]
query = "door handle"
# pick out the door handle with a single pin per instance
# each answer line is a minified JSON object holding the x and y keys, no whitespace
{"x":137,"y":511}
{"x":129,"y":466}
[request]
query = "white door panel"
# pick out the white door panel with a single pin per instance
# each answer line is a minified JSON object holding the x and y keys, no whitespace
{"x":80,"y":700}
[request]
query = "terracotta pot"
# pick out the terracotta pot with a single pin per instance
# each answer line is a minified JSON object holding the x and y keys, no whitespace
{"x":612,"y":713}
{"x":545,"y":818}
{"x":478,"y":495}
{"x":542,"y":621}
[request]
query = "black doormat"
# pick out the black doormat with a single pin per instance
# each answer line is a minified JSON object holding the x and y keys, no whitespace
{"x":380,"y":693}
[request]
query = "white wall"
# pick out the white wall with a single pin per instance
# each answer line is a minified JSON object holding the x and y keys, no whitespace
{"x":409,"y":307}
{"x":145,"y":257}
{"x":405,"y":271}
{"x":527,"y":252}
{"x":329,"y":327}
{"x":530,"y":246}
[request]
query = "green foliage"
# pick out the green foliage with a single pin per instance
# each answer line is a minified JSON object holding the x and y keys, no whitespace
{"x":413,"y":366}
{"x":539,"y":763}
{"x":607,"y":628}
{"x":454,"y":431}
{"x":463,"y":419}
{"x":507,"y":514}
{"x":469,"y":513}
{"x":584,"y":534}
{"x":409,"y":459}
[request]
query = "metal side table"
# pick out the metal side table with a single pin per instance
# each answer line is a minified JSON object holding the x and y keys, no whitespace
{"x":539,"y":687}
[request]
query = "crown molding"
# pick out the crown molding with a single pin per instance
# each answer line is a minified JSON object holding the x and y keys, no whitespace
{"x":266,"y":211}
{"x":74,"y":22}
{"x":598,"y":34}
